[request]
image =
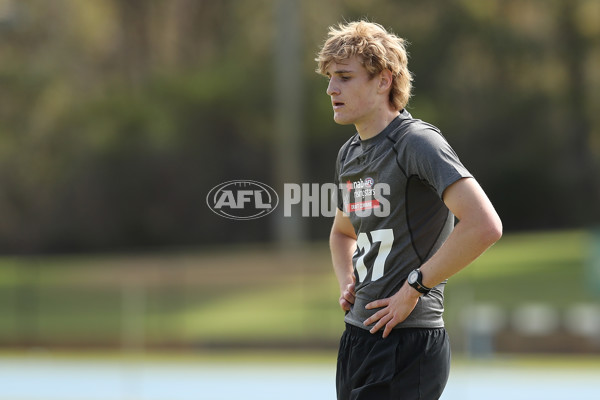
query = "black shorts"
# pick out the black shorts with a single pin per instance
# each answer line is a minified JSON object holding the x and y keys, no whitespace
{"x":410,"y":364}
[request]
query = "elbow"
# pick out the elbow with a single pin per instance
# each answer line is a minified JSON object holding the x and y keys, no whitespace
{"x":334,"y":238}
{"x":492,"y":230}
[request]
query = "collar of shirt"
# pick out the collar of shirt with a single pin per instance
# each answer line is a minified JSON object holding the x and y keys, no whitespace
{"x":367,"y":144}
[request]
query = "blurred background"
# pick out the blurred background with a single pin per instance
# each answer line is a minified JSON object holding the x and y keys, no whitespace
{"x":117,"y":117}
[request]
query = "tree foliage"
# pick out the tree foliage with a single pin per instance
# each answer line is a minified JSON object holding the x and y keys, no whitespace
{"x":117,"y":117}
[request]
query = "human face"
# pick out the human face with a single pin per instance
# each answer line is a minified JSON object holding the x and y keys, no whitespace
{"x":356,"y":98}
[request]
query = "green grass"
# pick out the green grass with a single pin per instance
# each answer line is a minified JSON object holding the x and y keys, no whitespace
{"x":251,"y":294}
{"x":547,"y":267}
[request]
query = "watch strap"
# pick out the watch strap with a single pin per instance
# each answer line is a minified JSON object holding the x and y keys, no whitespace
{"x":418,"y":283}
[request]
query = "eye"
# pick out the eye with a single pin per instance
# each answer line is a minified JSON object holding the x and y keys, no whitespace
{"x":344,"y":78}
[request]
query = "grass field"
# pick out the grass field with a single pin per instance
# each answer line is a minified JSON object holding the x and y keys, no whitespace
{"x":248,"y":295}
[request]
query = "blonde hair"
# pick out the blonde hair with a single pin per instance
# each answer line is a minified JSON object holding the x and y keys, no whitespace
{"x":377,"y":50}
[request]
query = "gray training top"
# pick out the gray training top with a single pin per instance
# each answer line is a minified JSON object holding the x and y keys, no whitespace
{"x":391,"y":188}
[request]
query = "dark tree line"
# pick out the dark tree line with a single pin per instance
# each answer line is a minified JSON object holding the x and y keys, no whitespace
{"x":117,"y":117}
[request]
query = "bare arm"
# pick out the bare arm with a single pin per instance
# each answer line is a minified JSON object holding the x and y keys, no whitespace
{"x":342,"y":243}
{"x":479,"y":227}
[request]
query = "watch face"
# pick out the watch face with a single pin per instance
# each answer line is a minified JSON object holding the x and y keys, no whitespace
{"x":412,"y":277}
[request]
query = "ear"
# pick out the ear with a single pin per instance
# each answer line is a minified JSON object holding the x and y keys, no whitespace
{"x":385,"y":80}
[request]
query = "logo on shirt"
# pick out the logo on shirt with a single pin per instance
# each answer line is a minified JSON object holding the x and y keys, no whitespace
{"x":367,"y":183}
{"x":367,"y":195}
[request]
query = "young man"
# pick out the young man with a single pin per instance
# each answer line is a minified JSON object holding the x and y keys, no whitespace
{"x":393,"y":240}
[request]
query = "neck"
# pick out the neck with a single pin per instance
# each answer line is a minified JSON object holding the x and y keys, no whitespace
{"x":371,"y":128}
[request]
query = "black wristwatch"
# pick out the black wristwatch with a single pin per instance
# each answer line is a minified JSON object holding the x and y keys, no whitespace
{"x":415,"y":279}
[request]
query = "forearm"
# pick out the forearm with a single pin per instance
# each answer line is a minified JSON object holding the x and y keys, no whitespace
{"x":342,"y":248}
{"x":478,"y":229}
{"x":469,"y":240}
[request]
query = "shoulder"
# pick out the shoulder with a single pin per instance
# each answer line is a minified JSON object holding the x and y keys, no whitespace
{"x":415,"y":133}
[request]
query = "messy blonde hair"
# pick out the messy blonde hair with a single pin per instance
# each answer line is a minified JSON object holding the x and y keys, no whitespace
{"x":377,"y":50}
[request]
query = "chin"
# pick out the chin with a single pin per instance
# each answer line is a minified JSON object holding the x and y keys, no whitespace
{"x":341,"y":120}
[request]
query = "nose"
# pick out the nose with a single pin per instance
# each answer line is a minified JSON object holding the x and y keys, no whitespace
{"x":332,"y":89}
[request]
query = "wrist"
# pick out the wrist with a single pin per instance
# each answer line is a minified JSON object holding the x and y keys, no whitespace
{"x":411,"y":292}
{"x":345,"y":285}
